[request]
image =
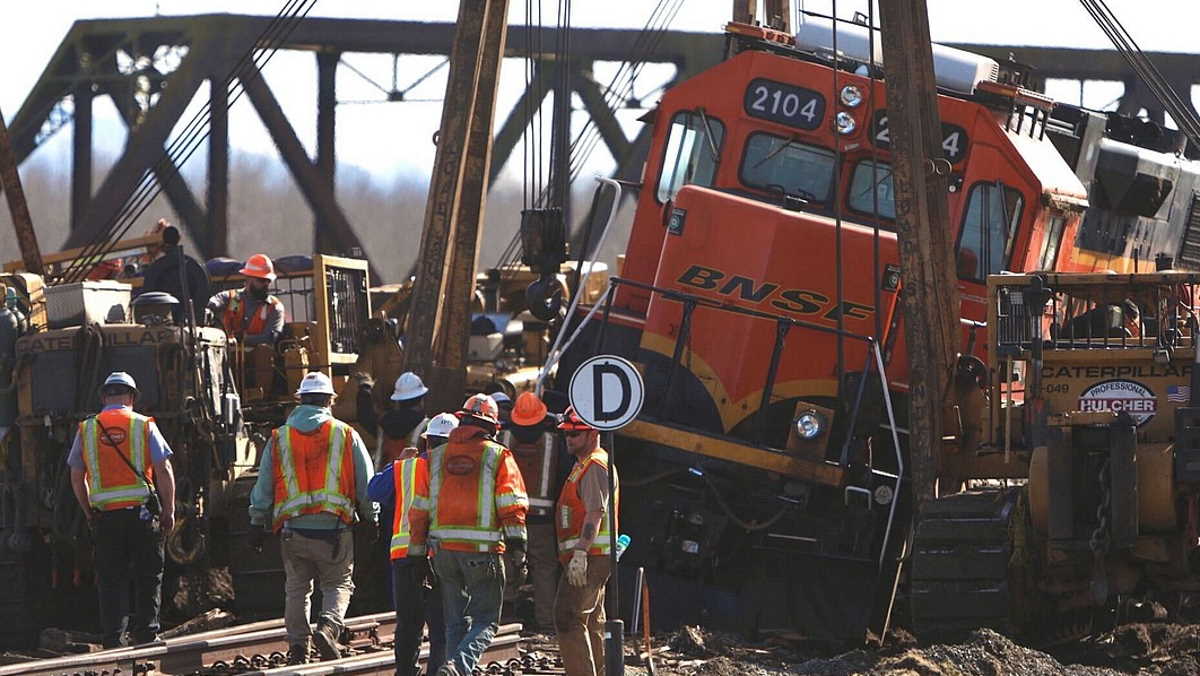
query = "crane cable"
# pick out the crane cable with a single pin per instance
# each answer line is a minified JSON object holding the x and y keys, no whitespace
{"x":1122,"y":40}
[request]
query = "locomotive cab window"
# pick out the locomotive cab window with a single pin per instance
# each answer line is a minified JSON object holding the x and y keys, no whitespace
{"x":870,"y":175}
{"x":692,"y":153}
{"x":785,"y":165}
{"x":989,"y":228}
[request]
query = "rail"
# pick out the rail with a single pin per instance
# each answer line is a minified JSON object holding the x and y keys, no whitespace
{"x":260,"y":647}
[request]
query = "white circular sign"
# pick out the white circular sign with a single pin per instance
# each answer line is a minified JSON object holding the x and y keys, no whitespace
{"x":1118,"y":396}
{"x":607,"y":392}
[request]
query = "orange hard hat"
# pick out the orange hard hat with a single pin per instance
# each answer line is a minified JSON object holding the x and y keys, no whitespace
{"x":529,"y":410}
{"x":481,"y":407}
{"x":260,"y":266}
{"x":571,"y":422}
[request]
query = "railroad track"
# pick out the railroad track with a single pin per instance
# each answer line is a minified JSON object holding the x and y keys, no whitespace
{"x":258,"y":648}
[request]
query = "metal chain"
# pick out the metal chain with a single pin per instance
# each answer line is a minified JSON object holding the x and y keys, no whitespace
{"x":1100,"y":536}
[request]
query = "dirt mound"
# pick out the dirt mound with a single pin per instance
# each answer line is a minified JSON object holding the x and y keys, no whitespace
{"x":1141,"y":649}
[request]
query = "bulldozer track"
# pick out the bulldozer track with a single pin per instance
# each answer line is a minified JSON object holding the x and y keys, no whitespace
{"x":960,"y":564}
{"x":256,"y":648}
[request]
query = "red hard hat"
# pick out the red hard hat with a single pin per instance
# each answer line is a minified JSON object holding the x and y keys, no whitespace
{"x":572,"y":422}
{"x":529,"y":410}
{"x":260,"y":266}
{"x":481,"y":406}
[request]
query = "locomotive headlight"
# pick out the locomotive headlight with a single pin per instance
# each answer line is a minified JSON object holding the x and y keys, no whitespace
{"x":809,"y":425}
{"x":851,"y":96}
{"x":845,"y":123}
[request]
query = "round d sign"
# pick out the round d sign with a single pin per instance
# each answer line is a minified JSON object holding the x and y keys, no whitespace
{"x":607,"y":392}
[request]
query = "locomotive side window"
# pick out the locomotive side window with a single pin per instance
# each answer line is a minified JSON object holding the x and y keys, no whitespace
{"x":784,"y":165}
{"x":878,"y":176}
{"x":693,"y":149}
{"x":1053,"y":240}
{"x":989,"y":228}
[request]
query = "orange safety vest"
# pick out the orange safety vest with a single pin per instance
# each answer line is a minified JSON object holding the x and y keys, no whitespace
{"x":538,"y":463}
{"x":571,"y":510}
{"x":475,"y":497}
{"x":232,"y":319}
{"x":111,"y":482}
{"x":314,"y":471}
{"x":410,"y":476}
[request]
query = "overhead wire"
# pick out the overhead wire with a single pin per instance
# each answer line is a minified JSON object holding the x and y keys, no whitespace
{"x":187,"y":142}
{"x":645,"y":45}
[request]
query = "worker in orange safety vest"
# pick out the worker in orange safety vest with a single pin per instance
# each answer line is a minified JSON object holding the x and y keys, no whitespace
{"x":311,"y":488}
{"x":415,"y":596}
{"x":251,"y":314}
{"x":531,"y":436}
{"x":585,"y":519}
{"x":473,"y":509}
{"x":117,"y":460}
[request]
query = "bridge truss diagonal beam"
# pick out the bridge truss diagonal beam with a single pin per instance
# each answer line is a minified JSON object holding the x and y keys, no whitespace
{"x":317,"y":189}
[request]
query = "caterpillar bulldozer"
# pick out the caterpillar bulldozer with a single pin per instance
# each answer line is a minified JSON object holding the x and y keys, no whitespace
{"x":1073,"y":496}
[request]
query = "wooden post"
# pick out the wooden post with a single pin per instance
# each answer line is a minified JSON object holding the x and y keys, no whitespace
{"x":10,"y":180}
{"x":445,"y":188}
{"x":930,"y":296}
{"x":451,"y":348}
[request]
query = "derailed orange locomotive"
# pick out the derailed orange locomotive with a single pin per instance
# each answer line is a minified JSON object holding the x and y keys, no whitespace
{"x":759,"y":296}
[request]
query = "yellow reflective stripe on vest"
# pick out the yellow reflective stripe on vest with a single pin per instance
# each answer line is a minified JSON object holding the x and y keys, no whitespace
{"x":488,"y":467}
{"x":408,"y":479}
{"x":100,"y":495}
{"x":329,"y":498}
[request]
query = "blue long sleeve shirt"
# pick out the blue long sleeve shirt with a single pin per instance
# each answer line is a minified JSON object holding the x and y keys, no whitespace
{"x":306,"y":418}
{"x":382,"y":489}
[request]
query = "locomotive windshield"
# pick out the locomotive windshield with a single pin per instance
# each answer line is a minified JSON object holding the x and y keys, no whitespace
{"x":780,"y":164}
{"x":692,"y":154}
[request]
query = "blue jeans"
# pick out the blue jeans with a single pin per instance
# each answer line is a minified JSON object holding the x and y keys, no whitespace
{"x":416,"y":605}
{"x":472,"y":590}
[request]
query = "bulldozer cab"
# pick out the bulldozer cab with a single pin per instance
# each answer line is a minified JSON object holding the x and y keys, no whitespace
{"x":1089,"y":347}
{"x":327,"y":308}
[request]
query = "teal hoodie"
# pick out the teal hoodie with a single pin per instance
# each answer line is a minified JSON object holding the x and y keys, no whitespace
{"x":306,"y":418}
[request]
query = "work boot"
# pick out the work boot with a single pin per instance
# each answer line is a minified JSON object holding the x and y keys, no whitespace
{"x":298,"y":653}
{"x":447,"y":669}
{"x":326,"y":639}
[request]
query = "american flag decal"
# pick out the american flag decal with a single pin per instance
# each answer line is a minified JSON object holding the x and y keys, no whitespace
{"x":1179,"y":394}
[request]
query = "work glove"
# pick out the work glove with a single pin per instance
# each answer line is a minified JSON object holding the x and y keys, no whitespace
{"x":577,"y":568}
{"x":517,"y":557}
{"x":258,"y":537}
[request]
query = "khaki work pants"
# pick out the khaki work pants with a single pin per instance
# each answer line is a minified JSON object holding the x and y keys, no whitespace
{"x":579,"y":620}
{"x":543,"y":571}
{"x":327,"y":559}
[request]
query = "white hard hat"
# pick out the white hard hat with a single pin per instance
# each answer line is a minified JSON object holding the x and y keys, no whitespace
{"x":440,"y":425}
{"x":408,"y":386}
{"x":315,"y":383}
{"x":120,"y":378}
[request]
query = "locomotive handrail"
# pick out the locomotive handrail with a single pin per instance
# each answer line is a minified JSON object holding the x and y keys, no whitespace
{"x":784,"y":324}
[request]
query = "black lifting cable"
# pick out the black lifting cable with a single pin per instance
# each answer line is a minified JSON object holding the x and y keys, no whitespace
{"x":1181,"y":112}
{"x":187,"y":142}
{"x":645,"y":45}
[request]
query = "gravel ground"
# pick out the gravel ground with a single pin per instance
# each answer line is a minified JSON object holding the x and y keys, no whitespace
{"x":1142,"y":649}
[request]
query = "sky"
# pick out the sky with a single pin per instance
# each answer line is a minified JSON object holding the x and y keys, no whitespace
{"x":403,"y":129}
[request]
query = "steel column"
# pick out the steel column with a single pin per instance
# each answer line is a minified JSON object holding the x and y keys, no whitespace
{"x":144,"y":146}
{"x":518,"y":120}
{"x":316,"y":190}
{"x":217,"y":198}
{"x":602,"y":116}
{"x":327,"y":63}
{"x":81,"y":153}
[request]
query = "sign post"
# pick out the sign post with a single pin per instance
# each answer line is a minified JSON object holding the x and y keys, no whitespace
{"x":607,"y":392}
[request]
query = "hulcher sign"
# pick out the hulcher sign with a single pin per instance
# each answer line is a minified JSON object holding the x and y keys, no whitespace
{"x":1116,"y":396}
